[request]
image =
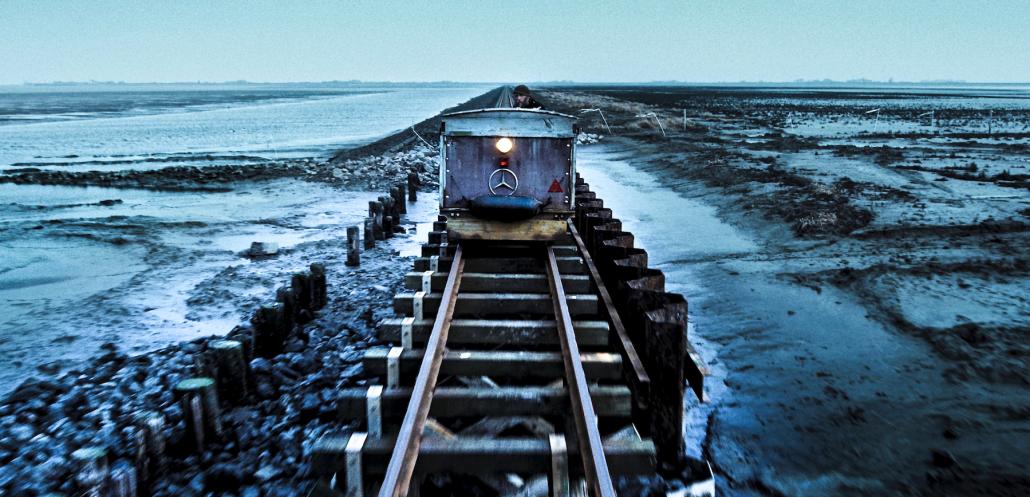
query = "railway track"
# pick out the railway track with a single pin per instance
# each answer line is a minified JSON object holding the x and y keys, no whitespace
{"x":510,"y":364}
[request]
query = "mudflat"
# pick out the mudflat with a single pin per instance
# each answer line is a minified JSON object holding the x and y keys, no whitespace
{"x":866,"y":325}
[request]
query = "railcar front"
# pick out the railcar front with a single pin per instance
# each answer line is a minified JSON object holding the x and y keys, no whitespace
{"x":507,"y":174}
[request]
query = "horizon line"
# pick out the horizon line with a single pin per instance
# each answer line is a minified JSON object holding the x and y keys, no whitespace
{"x":861,"y":81}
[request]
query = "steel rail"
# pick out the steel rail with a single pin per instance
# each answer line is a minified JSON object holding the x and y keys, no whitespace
{"x":595,"y":465}
{"x":397,"y":480}
{"x":629,"y":352}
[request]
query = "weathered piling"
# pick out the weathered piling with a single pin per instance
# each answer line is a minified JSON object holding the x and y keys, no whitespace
{"x":150,"y":447}
{"x":665,"y":340}
{"x":199,"y":400}
{"x":412,"y":187}
{"x":286,"y":298}
{"x":91,"y":471}
{"x":230,"y":370}
{"x":353,"y":246}
{"x":300,"y":287}
{"x":268,"y":336}
{"x":378,"y":215}
{"x":654,"y":319}
{"x":389,"y":216}
{"x":397,"y":193}
{"x":123,"y":481}
{"x":369,"y":235}
{"x":319,"y":286}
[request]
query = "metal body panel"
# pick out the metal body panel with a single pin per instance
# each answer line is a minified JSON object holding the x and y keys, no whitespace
{"x":534,"y":165}
{"x":541,"y":159}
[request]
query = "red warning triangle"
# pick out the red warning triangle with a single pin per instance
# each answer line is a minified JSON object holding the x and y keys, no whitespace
{"x":555,"y":187}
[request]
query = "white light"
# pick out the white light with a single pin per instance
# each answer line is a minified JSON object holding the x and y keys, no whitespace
{"x":504,"y":145}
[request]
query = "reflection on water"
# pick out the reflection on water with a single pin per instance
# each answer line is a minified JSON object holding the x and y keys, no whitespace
{"x":304,"y":125}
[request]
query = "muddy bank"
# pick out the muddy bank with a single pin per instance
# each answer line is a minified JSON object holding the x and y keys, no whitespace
{"x":68,"y":404}
{"x":872,"y":339}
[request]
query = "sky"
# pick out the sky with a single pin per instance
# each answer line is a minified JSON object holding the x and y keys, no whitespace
{"x":516,"y":40}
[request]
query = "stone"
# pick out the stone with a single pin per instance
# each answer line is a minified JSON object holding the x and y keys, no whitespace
{"x":266,"y":473}
{"x":266,"y":391}
{"x":309,"y":407}
{"x":261,"y":365}
{"x":22,"y":433}
{"x":263,"y":249}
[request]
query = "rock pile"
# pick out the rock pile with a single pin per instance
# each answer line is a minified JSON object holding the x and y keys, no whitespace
{"x":378,"y":171}
{"x":265,"y":434}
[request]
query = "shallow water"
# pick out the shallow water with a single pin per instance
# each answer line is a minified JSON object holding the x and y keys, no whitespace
{"x":79,"y":275}
{"x":799,"y":372}
{"x":678,"y":233}
{"x":671,"y":227}
{"x":87,"y":265}
{"x":296,"y":123}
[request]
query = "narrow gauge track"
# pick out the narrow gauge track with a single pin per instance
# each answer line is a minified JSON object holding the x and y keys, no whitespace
{"x":523,"y":379}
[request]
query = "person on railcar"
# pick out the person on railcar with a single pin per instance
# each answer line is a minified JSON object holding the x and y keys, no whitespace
{"x":524,"y":99}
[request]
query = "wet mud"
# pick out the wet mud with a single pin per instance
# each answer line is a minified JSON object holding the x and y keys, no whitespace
{"x":872,"y":338}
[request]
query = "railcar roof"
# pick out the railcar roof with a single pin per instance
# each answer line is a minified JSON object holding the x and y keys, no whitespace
{"x":507,"y":110}
{"x":509,"y":122}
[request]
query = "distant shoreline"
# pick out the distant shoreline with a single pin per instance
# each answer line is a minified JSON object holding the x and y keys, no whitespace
{"x":401,"y":84}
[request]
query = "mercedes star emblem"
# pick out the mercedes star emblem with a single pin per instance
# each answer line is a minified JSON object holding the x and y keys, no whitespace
{"x":499,"y":179}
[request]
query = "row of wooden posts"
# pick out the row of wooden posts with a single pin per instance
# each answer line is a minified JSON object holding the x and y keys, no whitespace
{"x":222,"y":378}
{"x":384,"y":215}
{"x":655,"y":320}
{"x":222,"y":369}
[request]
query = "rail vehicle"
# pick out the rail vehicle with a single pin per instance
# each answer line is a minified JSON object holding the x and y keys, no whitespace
{"x":507,"y":173}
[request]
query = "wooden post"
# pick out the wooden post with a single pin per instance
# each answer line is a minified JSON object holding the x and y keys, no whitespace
{"x":398,"y":198}
{"x":204,"y":364}
{"x":245,"y":335}
{"x":319,"y":286}
{"x":199,"y":400}
{"x":376,"y":212}
{"x":388,"y":226}
{"x":388,"y":215}
{"x":285,"y":297}
{"x":666,"y":348}
{"x":268,"y":341}
{"x":150,"y":447}
{"x":353,"y":247}
{"x":370,"y":237}
{"x":300,"y":286}
{"x":91,"y":470}
{"x":230,"y":369}
{"x":123,"y":481}
{"x":412,"y":187}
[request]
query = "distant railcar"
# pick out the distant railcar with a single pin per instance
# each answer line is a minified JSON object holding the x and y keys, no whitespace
{"x":507,"y":174}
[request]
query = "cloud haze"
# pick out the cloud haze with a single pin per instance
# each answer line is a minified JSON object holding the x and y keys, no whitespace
{"x":769,"y":40}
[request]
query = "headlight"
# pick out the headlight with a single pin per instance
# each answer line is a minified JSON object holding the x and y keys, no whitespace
{"x":504,"y":145}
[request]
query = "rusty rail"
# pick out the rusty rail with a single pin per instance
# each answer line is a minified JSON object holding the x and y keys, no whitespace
{"x":595,"y":465}
{"x":402,"y":463}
